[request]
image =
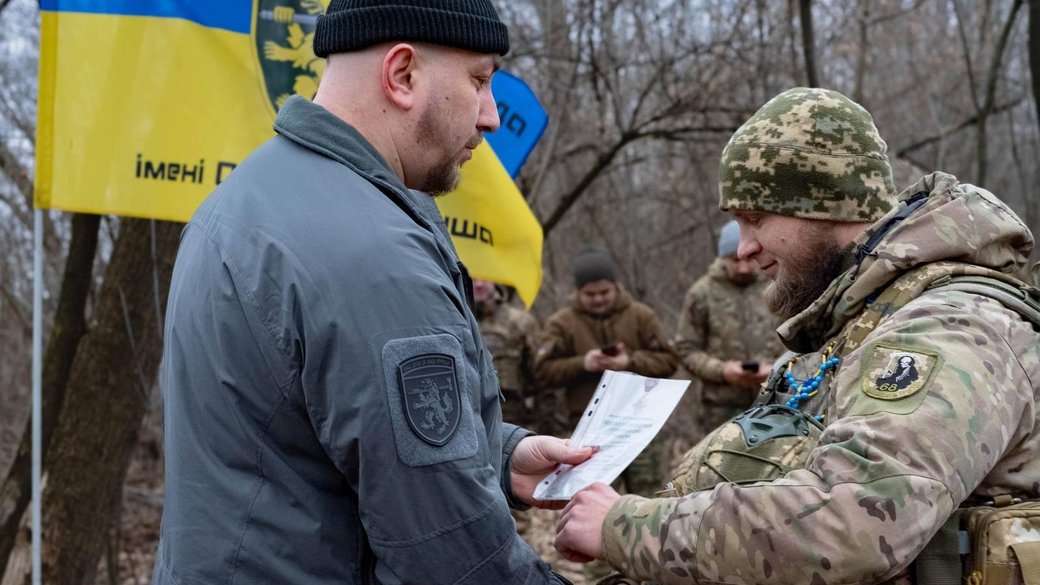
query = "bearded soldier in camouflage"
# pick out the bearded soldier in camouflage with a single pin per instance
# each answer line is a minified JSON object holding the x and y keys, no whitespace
{"x":726,"y":337}
{"x":927,"y":395}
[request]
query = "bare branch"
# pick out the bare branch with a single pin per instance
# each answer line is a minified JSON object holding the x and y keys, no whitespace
{"x":959,"y":11}
{"x":897,"y":14}
{"x":903,"y":152}
{"x":606,"y":158}
{"x":808,"y":45}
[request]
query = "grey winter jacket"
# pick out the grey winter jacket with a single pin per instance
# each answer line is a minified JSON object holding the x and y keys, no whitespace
{"x":331,"y":413}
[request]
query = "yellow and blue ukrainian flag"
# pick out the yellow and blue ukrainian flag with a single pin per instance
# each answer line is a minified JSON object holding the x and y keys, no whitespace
{"x":146,"y":105}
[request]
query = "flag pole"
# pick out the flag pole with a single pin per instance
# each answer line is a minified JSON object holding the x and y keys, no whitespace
{"x":37,"y":389}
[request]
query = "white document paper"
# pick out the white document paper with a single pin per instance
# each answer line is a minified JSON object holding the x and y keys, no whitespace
{"x":624,"y":415}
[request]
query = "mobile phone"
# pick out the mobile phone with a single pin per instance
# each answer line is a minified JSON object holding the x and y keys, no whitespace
{"x":611,"y":350}
{"x":749,"y":366}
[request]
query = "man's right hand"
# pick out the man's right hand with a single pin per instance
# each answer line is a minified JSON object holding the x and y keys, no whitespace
{"x":733,"y":373}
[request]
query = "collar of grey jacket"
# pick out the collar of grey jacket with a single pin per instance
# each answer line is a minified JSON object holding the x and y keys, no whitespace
{"x":317,"y":129}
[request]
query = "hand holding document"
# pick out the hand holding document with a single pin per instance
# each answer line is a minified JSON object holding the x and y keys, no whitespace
{"x":624,"y":415}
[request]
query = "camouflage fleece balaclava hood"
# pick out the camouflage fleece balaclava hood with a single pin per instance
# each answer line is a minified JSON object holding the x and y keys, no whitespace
{"x":810,"y":153}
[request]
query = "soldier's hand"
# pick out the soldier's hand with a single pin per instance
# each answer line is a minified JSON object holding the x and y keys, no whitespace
{"x":619,"y":362}
{"x":578,"y":533}
{"x":595,"y":360}
{"x":534,"y":457}
{"x":733,"y":373}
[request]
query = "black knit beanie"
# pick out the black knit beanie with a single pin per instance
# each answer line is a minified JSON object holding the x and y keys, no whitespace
{"x":351,"y":25}
{"x":591,"y":264}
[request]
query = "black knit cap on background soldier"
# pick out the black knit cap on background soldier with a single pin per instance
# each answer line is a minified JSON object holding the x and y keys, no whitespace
{"x":331,"y":413}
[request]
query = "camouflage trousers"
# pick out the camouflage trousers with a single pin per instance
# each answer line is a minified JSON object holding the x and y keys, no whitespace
{"x":648,"y":473}
{"x":516,"y":410}
{"x":551,"y":413}
{"x":619,"y":579}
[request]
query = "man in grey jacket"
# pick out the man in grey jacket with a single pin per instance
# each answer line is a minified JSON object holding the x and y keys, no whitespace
{"x":331,"y":412}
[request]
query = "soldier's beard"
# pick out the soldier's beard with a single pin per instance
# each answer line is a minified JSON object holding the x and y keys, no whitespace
{"x":806,"y":273}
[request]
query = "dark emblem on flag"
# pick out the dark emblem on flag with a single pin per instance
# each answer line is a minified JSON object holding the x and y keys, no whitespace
{"x":284,"y":36}
{"x":430,"y":393}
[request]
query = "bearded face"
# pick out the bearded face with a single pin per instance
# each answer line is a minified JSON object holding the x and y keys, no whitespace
{"x":812,"y":262}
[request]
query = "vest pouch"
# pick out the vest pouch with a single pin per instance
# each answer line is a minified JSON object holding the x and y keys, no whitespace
{"x":1004,"y":543}
{"x":762,"y":444}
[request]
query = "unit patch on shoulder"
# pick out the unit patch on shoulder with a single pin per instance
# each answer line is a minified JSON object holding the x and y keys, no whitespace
{"x":892,"y":372}
{"x":430,"y":393}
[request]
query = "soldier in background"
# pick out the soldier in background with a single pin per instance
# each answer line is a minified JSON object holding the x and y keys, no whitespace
{"x":511,"y":335}
{"x":864,"y":279}
{"x":726,"y":336}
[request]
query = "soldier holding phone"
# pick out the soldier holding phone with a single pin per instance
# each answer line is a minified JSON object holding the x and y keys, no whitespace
{"x":726,"y":336}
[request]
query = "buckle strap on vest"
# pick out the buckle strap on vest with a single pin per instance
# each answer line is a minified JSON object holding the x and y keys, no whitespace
{"x":912,"y":204}
{"x":940,"y":561}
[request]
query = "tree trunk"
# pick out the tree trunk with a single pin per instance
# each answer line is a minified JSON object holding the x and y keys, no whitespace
{"x":986,"y":109}
{"x":808,"y":43}
{"x":106,"y":399}
{"x":1034,"y":52}
{"x":863,"y":20}
{"x":68,"y":328}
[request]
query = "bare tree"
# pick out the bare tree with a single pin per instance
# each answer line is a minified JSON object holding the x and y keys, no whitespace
{"x":1034,"y":52}
{"x":808,"y":42}
{"x":642,"y":96}
{"x":984,"y":107}
{"x":68,"y":329}
{"x":113,"y":371}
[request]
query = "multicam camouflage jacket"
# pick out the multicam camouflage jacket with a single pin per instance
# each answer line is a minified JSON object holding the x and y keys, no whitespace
{"x":511,"y":335}
{"x":940,"y":402}
{"x":721,"y":321}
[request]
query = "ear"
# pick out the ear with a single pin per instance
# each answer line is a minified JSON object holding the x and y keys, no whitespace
{"x":398,"y":75}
